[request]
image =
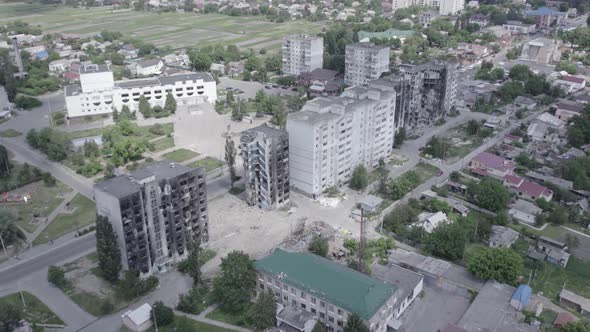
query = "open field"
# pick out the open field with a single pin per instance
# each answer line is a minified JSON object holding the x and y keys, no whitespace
{"x":82,"y":215}
{"x":208,"y":163}
{"x":176,"y":30}
{"x":35,"y":312}
{"x":180,"y":155}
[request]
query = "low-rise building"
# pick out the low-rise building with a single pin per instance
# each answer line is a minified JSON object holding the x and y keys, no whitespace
{"x":425,"y":19}
{"x":98,"y":93}
{"x":149,"y":67}
{"x":541,"y":50}
{"x":544,"y":178}
{"x":479,"y":19}
{"x":566,"y":110}
{"x":389,"y":34}
{"x":524,"y":211}
{"x":555,"y":251}
{"x":527,"y":189}
{"x":519,"y":28}
{"x":430,"y":221}
{"x":327,"y":290}
{"x":575,"y":301}
{"x":138,"y":320}
{"x":571,"y":84}
{"x":502,"y":237}
{"x":489,"y":164}
{"x":525,"y":102}
{"x":546,"y":17}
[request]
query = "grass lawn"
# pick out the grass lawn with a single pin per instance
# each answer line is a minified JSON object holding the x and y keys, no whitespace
{"x":10,"y":133}
{"x":64,"y":223}
{"x":35,"y":311}
{"x":209,"y":163}
{"x":425,"y":171}
{"x":550,"y":278}
{"x":552,"y":231}
{"x":85,"y":133}
{"x":180,"y":155}
{"x":460,"y":143}
{"x":225,"y":317}
{"x":189,"y":325}
{"x":44,"y":200}
{"x":163,"y":143}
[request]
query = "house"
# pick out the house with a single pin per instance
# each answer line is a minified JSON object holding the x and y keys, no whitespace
{"x":575,"y":301}
{"x":527,"y":189}
{"x":509,"y":139}
{"x":549,"y":120}
{"x":60,"y":66}
{"x":489,"y":164}
{"x":558,"y":182}
{"x":521,"y":297}
{"x":235,"y":68}
{"x":524,"y":212}
{"x":389,"y":34}
{"x":502,"y":237}
{"x":525,"y":102}
{"x":149,"y":67}
{"x":425,"y":19}
{"x":540,"y":132}
{"x":138,"y":320}
{"x":582,"y":98}
{"x":544,"y":242}
{"x":571,"y":84}
{"x":322,"y":82}
{"x":129,"y":51}
{"x":565,"y":111}
{"x":479,"y":19}
{"x":370,"y":203}
{"x":41,"y":55}
{"x":429,"y":221}
{"x":545,"y":17}
{"x":562,"y":319}
{"x":554,"y":250}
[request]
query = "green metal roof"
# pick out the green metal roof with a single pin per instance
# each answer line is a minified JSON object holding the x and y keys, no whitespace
{"x":389,"y":33}
{"x":329,"y":281}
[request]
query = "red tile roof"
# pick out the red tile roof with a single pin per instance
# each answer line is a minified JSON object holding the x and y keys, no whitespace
{"x":574,"y":79}
{"x":562,"y":319}
{"x":534,"y":189}
{"x":493,"y":161}
{"x":479,"y":171}
{"x":514,"y":180}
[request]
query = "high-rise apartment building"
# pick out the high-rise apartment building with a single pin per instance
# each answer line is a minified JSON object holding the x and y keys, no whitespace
{"x":330,"y":136}
{"x":425,"y":93}
{"x":365,"y":62}
{"x":302,"y":54}
{"x":265,"y":152}
{"x":155,"y":212}
{"x":445,"y":7}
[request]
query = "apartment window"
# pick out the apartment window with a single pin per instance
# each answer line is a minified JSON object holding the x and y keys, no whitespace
{"x":313,"y":300}
{"x":330,"y":308}
{"x":313,"y":311}
{"x":339,"y":312}
{"x":277,"y":283}
{"x":331,"y":319}
{"x":303,"y":295}
{"x":294,"y":303}
{"x":322,"y":315}
{"x":340,"y":323}
{"x":303,"y":306}
{"x":322,"y":304}
{"x":262,"y":286}
{"x":286,"y":298}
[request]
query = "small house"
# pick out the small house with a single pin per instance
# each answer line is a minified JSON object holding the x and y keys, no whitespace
{"x":429,"y":221}
{"x":138,"y":320}
{"x":521,"y":297}
{"x":575,"y":301}
{"x":370,"y":203}
{"x":562,"y":320}
{"x":502,"y":237}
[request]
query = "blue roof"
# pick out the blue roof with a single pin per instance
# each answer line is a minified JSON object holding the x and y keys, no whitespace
{"x":523,"y":294}
{"x":41,"y":55}
{"x":545,"y":11}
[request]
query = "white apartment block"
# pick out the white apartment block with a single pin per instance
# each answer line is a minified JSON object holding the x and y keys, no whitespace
{"x":365,"y":62}
{"x":445,"y":7}
{"x":98,"y":93}
{"x":330,"y":136}
{"x":302,"y":54}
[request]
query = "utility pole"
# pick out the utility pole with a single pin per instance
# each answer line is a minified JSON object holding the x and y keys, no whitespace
{"x":50,"y":114}
{"x":155,"y":321}
{"x":3,"y":246}
{"x":362,"y":244}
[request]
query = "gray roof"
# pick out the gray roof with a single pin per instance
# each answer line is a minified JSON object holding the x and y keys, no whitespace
{"x":372,"y":201}
{"x":149,"y":62}
{"x":369,"y":46}
{"x":164,"y":80}
{"x":123,"y":186}
{"x":266,"y":130}
{"x":295,"y":317}
{"x":404,"y":279}
{"x":503,"y":236}
{"x":311,"y":117}
{"x":524,"y":100}
{"x":72,"y":90}
{"x":138,"y":83}
{"x":92,"y":68}
{"x":491,"y":311}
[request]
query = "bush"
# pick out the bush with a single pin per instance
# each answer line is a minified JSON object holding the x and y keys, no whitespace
{"x":162,"y":314}
{"x":131,"y":287}
{"x":56,"y":276}
{"x":157,"y":129}
{"x":319,"y":246}
{"x":194,"y":301}
{"x":26,"y":102}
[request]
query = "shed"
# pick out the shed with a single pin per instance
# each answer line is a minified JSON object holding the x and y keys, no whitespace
{"x":571,"y":299}
{"x":521,"y":298}
{"x":138,"y":320}
{"x":562,"y":320}
{"x":370,"y":203}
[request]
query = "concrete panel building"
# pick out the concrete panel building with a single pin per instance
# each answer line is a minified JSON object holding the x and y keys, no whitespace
{"x":330,"y":136}
{"x":265,"y":152}
{"x":302,"y":54}
{"x":541,"y":50}
{"x":445,"y":7}
{"x":155,"y":212}
{"x":365,"y":62}
{"x":98,"y":93}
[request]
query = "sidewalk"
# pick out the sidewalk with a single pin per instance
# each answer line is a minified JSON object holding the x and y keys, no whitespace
{"x":201,"y":318}
{"x":59,"y":209}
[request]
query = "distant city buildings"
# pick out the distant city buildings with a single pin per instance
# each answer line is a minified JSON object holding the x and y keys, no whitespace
{"x":330,"y":136}
{"x":265,"y":152}
{"x":445,"y":7}
{"x":98,"y":93}
{"x":155,"y":212}
{"x":365,"y":62}
{"x":302,"y":54}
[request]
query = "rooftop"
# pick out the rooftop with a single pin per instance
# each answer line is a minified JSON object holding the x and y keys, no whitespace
{"x":389,"y":33}
{"x":524,"y":100}
{"x":338,"y":284}
{"x":139,"y":315}
{"x":583,"y":302}
{"x":545,"y":11}
{"x":149,"y":62}
{"x":493,"y":161}
{"x":570,"y":107}
{"x":92,"y":68}
{"x":503,"y":235}
{"x":573,"y":79}
{"x":295,"y":316}
{"x":393,"y":274}
{"x":534,"y":189}
{"x":266,"y":130}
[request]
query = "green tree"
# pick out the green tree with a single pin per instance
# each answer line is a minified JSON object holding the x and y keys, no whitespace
{"x":510,"y":90}
{"x":489,"y":194}
{"x":170,"y":104}
{"x":230,"y":158}
{"x":5,"y":163}
{"x":520,"y":73}
{"x":253,"y":63}
{"x":193,"y":301}
{"x":107,"y":249}
{"x":573,"y":242}
{"x":200,"y":61}
{"x":161,"y":314}
{"x":355,"y":324}
{"x":144,"y":106}
{"x":319,"y":246}
{"x":263,"y":312}
{"x":360,"y":178}
{"x":234,"y":286}
{"x":10,"y":316}
{"x":567,"y":66}
{"x":400,"y":137}
{"x":501,"y":264}
{"x":279,"y":116}
{"x":192,"y":264}
{"x":273,"y":63}
{"x":472,"y":127}
{"x":56,"y":276}
{"x":447,"y":241}
{"x":8,"y":229}
{"x":579,"y":326}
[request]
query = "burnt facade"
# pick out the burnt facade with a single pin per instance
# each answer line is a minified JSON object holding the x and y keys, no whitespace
{"x":265,"y":152}
{"x":155,"y":212}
